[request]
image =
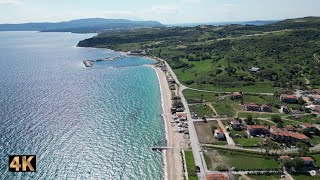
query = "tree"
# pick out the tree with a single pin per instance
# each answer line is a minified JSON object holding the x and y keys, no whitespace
{"x":249,"y":119}
{"x":301,"y":101}
{"x":297,"y":162}
{"x":276,"y":118}
{"x":269,"y":145}
{"x":303,"y":149}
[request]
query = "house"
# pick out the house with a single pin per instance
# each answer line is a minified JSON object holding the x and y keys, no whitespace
{"x":254,"y":70}
{"x":317,"y":109}
{"x":217,"y":177}
{"x":252,"y":107}
{"x":255,"y":130}
{"x":235,"y":125}
{"x":285,"y":110}
{"x":308,"y":161}
{"x":287,"y":137}
{"x":182,"y":115}
{"x":218,"y":133}
{"x":291,"y":99}
{"x":266,"y":108}
{"x":290,"y":128}
{"x":236,"y":96}
{"x":311,"y":128}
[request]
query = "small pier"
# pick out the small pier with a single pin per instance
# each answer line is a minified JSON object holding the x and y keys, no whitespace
{"x":159,"y":148}
{"x":89,"y":63}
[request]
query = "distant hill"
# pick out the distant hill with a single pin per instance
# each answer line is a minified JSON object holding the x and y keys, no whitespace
{"x":256,"y":23}
{"x":80,"y":25}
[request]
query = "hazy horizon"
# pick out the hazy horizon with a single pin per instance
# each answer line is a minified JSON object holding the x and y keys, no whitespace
{"x":164,"y":11}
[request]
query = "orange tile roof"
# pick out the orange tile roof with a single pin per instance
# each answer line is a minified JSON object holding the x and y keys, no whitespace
{"x":309,"y":125}
{"x":288,"y":96}
{"x":256,"y":127}
{"x":284,"y":157}
{"x":217,"y":177}
{"x":291,"y":134}
{"x":307,"y":158}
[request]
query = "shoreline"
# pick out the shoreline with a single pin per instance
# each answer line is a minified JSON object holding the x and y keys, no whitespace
{"x":173,"y":166}
{"x":164,"y":153}
{"x":172,"y":157}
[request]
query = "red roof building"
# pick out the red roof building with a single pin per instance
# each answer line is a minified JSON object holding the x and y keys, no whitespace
{"x":217,"y":177}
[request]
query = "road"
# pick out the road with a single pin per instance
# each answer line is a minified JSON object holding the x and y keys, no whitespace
{"x":315,"y":56}
{"x":195,"y":145}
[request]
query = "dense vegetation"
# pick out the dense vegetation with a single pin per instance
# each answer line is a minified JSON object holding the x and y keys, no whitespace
{"x":219,"y":57}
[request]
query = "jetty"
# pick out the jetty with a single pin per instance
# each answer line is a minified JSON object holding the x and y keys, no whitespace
{"x":160,"y":148}
{"x":89,"y":63}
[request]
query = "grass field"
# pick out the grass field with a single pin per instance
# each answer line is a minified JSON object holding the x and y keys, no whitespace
{"x":306,"y":119}
{"x":248,"y":142}
{"x":264,"y":177}
{"x":304,"y":177}
{"x":191,"y":166}
{"x":246,"y":161}
{"x":201,"y":110}
{"x":257,"y":115}
{"x":224,"y":109}
{"x":264,"y":122}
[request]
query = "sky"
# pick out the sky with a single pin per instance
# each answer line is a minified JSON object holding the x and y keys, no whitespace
{"x":165,"y":11}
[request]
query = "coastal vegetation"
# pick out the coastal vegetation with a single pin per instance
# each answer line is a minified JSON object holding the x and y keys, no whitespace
{"x":221,"y":57}
{"x":191,"y":166}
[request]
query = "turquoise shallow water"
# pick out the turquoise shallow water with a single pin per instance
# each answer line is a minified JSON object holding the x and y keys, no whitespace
{"x":94,"y":123}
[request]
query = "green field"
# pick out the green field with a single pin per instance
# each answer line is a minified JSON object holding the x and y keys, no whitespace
{"x":264,"y":177}
{"x":304,"y":177}
{"x":191,"y":166}
{"x":248,"y":142}
{"x":240,"y":160}
{"x":307,"y":119}
{"x":201,"y":110}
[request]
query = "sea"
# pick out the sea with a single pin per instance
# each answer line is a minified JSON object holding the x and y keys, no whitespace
{"x":81,"y":123}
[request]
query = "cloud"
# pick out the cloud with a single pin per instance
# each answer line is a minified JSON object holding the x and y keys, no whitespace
{"x":10,"y":2}
{"x":164,"y":10}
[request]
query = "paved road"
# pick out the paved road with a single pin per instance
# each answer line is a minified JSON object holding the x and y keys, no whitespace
{"x":195,"y":145}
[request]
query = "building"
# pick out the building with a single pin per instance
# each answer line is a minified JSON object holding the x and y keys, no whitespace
{"x":218,"y":133}
{"x":266,"y":108}
{"x":308,"y":161}
{"x":254,"y":70}
{"x":255,"y":130}
{"x":315,"y":91}
{"x":236,"y":96}
{"x":285,"y":110}
{"x":217,"y":177}
{"x":290,"y":128}
{"x":311,"y":128}
{"x":235,"y":125}
{"x":287,"y":137}
{"x":291,"y":99}
{"x":316,"y":99}
{"x":252,"y":107}
{"x":137,"y":52}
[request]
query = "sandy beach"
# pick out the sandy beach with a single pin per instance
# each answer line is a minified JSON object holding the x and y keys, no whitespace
{"x":175,"y":140}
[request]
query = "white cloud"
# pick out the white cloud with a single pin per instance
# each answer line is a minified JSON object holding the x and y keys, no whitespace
{"x":164,"y":10}
{"x":10,"y":2}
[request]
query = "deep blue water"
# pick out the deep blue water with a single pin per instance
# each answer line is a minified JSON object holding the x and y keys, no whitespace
{"x":82,"y":123}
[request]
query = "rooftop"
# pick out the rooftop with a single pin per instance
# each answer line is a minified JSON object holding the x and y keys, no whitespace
{"x":217,"y":177}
